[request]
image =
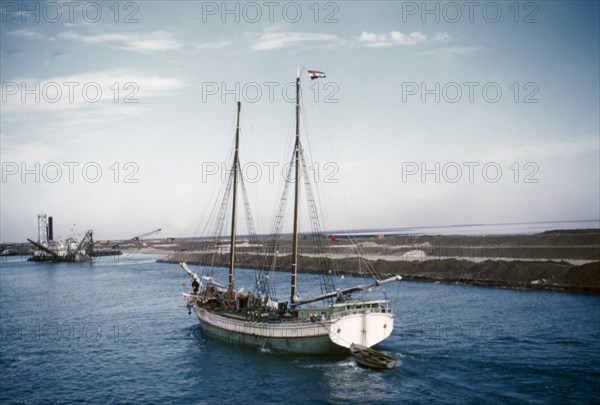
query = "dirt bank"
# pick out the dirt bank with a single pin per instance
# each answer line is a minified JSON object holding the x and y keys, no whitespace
{"x":531,"y":275}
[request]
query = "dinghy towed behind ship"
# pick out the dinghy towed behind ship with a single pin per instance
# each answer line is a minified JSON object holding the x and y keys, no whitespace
{"x":325,"y":324}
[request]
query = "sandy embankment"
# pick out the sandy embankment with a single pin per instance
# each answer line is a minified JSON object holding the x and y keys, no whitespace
{"x":560,"y":260}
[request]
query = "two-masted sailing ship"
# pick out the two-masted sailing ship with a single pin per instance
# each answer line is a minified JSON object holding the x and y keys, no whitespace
{"x":327,"y":323}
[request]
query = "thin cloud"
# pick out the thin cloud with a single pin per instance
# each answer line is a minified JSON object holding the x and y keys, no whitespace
{"x":27,"y":34}
{"x":55,"y":95}
{"x":442,"y":37}
{"x":213,"y":45}
{"x":269,"y":40}
{"x":454,"y":50}
{"x":394,"y":38}
{"x":152,"y":42}
{"x":24,"y":152}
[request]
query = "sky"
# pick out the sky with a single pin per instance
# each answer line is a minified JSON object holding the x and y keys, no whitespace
{"x":120,"y":116}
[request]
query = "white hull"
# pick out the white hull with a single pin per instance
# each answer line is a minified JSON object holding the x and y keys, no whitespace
{"x":365,"y":329}
{"x":330,"y":336}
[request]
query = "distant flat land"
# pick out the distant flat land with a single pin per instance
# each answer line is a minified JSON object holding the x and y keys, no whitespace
{"x":562,"y":260}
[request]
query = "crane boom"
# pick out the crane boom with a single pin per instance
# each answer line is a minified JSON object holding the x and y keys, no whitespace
{"x":44,"y":248}
{"x":88,"y":235}
{"x":144,"y":235}
{"x":139,"y":237}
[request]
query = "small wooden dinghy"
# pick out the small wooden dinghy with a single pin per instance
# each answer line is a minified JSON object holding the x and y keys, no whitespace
{"x":370,"y":358}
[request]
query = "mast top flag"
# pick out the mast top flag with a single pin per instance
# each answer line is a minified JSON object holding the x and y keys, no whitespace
{"x":315,"y":74}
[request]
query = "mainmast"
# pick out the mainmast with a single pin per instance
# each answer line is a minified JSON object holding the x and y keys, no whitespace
{"x":235,"y":175}
{"x":296,"y":192}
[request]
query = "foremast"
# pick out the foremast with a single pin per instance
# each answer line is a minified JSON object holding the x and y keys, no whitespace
{"x":294,"y":296}
{"x":236,"y":163}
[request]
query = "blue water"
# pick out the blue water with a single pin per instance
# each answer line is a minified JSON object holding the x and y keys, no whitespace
{"x":117,"y":331}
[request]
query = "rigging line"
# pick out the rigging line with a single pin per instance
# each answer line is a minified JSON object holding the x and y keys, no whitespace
{"x":221,"y":219}
{"x":320,"y":200}
{"x":282,"y":182}
{"x":261,"y":280}
{"x":311,"y":201}
{"x":333,"y":151}
{"x":307,"y":131}
{"x":272,"y":239}
{"x":290,"y":140}
{"x":213,"y":222}
{"x":256,"y":194}
{"x":327,"y":131}
{"x":370,"y":269}
{"x":263,"y":285}
{"x":217,"y":197}
{"x":396,"y":297}
{"x":208,"y":220}
{"x":225,"y":153}
{"x":279,"y":218}
{"x":368,"y":265}
{"x":328,"y":284}
{"x":327,"y":280}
